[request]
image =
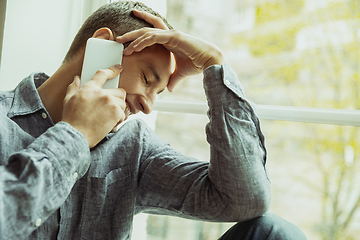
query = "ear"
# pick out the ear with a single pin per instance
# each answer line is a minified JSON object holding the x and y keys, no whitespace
{"x":104,"y":33}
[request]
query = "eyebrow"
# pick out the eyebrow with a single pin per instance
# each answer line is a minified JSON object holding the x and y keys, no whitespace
{"x":155,"y":73}
{"x":156,"y":76}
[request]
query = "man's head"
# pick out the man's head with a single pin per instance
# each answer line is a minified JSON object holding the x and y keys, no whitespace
{"x":117,"y":16}
{"x":145,"y":73}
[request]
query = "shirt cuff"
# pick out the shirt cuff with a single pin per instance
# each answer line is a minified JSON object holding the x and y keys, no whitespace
{"x":67,"y":149}
{"x":218,"y":81}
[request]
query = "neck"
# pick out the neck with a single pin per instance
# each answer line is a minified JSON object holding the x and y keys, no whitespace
{"x":53,"y":90}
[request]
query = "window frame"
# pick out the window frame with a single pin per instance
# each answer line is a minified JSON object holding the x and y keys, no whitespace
{"x":273,"y":112}
{"x":2,"y":24}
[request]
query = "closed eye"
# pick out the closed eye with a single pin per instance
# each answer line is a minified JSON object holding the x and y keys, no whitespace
{"x":160,"y":91}
{"x":145,"y":79}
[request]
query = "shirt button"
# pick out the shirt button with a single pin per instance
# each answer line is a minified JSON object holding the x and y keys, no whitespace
{"x":75,"y":175}
{"x":44,"y":115}
{"x":38,"y":222}
{"x":227,"y":82}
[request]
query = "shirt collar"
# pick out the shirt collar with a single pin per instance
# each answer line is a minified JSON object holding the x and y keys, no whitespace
{"x":26,"y":97}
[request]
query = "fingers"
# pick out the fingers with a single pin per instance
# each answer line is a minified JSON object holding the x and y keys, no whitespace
{"x":119,"y":105}
{"x":147,"y":37}
{"x":153,"y":20}
{"x":131,"y":36}
{"x":102,"y":75}
{"x":116,"y":92}
{"x":117,"y":97}
{"x":134,"y":37}
{"x":148,"y":17}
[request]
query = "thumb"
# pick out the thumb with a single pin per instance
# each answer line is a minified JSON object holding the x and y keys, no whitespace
{"x":175,"y":78}
{"x":73,"y":87}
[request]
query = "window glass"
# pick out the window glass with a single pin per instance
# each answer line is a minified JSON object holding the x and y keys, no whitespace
{"x":296,"y":53}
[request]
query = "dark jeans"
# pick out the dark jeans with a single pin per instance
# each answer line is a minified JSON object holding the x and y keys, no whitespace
{"x":269,"y":227}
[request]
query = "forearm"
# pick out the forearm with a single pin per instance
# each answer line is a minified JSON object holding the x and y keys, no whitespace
{"x":237,"y":164}
{"x":38,"y":179}
{"x":234,"y":186}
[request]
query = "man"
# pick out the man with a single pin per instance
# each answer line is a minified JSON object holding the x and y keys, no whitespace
{"x":64,"y":176}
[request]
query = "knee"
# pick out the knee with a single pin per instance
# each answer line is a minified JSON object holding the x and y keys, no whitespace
{"x":279,"y":228}
{"x":269,"y":226}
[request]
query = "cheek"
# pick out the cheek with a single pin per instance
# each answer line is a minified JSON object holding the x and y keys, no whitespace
{"x":125,"y":76}
{"x":128,"y":73}
{"x":125,"y":81}
{"x":122,"y":80}
{"x":130,"y":82}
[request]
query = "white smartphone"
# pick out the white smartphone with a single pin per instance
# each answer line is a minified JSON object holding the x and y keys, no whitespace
{"x":101,"y":54}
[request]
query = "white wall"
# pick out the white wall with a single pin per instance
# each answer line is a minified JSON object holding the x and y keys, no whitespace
{"x":37,"y":35}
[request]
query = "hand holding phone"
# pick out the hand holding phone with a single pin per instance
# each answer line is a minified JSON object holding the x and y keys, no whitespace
{"x":92,"y":110}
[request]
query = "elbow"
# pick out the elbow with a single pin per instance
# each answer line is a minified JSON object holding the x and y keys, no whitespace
{"x":260,"y":204}
{"x":254,"y":205}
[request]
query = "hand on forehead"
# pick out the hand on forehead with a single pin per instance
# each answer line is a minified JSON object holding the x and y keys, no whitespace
{"x":192,"y":55}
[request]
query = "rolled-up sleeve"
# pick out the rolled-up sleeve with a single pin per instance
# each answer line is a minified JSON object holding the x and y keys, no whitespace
{"x":37,"y":179}
{"x":238,"y":154}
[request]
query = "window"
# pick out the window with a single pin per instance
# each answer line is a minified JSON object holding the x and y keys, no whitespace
{"x":2,"y":22}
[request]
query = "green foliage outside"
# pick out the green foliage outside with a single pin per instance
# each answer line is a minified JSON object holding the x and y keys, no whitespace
{"x":274,"y":43}
{"x":287,"y":74}
{"x":290,"y":19}
{"x":274,"y":10}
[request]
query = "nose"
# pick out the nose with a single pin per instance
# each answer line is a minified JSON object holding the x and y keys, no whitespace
{"x":147,"y":103}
